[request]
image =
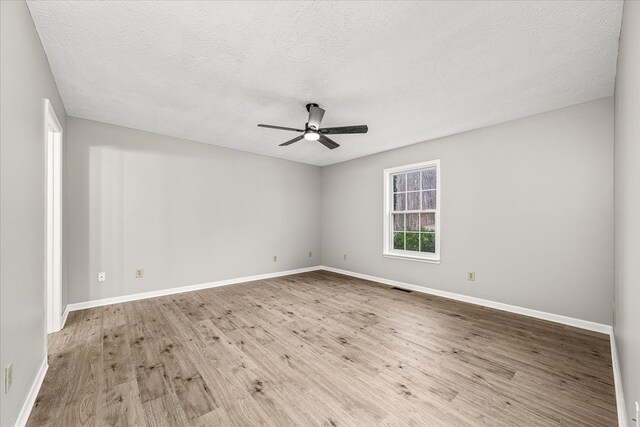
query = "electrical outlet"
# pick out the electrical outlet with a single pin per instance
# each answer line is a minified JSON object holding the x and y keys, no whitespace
{"x":8,"y":377}
{"x":471,"y":276}
{"x":139,"y":273}
{"x":275,"y":258}
{"x":310,"y":254}
{"x":102,"y":276}
{"x":344,"y":257}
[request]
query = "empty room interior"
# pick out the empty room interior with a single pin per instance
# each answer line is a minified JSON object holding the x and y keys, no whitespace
{"x":320,"y":213}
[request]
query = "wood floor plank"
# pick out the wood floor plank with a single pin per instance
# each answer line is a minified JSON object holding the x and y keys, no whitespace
{"x":83,"y":387}
{"x":60,"y":369}
{"x":149,"y":370}
{"x":165,"y":411}
{"x":121,"y":406}
{"x":116,"y":357}
{"x":321,"y":349}
{"x":113,"y":316}
{"x":185,"y":379}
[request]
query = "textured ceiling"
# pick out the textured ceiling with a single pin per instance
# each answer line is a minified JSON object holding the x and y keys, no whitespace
{"x":412,"y":71}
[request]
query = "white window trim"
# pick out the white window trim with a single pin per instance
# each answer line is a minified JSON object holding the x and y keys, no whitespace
{"x":387,"y":249}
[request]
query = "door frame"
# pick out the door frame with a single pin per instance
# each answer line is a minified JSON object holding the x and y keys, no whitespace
{"x":53,"y":219}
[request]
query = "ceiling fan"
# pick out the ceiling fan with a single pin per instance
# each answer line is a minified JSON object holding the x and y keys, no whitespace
{"x":313,"y":132}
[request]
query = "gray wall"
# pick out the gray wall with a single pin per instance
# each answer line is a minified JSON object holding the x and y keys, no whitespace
{"x":627,"y":205}
{"x":185,"y":212}
{"x":526,"y":204}
{"x":25,"y":80}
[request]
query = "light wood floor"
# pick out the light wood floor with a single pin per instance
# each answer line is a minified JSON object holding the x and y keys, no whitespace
{"x":321,"y":349}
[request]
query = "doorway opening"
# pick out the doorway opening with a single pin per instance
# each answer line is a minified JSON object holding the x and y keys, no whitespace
{"x":53,"y":149}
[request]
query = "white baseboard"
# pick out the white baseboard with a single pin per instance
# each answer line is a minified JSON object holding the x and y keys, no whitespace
{"x":181,"y":289}
{"x":617,"y":380}
{"x":65,"y":314}
{"x":557,"y":318}
{"x":25,"y":411}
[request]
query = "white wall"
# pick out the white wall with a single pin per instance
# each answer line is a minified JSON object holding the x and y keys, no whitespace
{"x":526,"y":204}
{"x":627,"y":205}
{"x":185,"y":212}
{"x":25,"y":80}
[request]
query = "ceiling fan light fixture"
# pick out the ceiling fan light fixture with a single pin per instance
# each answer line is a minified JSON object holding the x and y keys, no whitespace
{"x":311,"y":136}
{"x":313,"y":132}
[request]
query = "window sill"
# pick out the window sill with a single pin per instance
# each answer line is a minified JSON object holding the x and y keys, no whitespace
{"x":411,"y":258}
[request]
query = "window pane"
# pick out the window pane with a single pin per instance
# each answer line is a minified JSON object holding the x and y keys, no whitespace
{"x":427,"y":242}
{"x":429,"y":199}
{"x":428,"y":221}
{"x":398,"y":222}
{"x":413,"y":201}
{"x":413,"y":241}
{"x":399,"y":202}
{"x":399,"y":182}
{"x":398,"y":241}
{"x":412,"y":222}
{"x":429,"y":178}
{"x":413,"y":181}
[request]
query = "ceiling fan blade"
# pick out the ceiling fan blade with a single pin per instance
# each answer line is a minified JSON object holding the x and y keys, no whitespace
{"x":315,"y":116}
{"x":280,"y":127}
{"x":344,"y":129}
{"x":291,"y":141}
{"x":330,"y":144}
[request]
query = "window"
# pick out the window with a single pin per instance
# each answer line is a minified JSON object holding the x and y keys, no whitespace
{"x":412,"y":212}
